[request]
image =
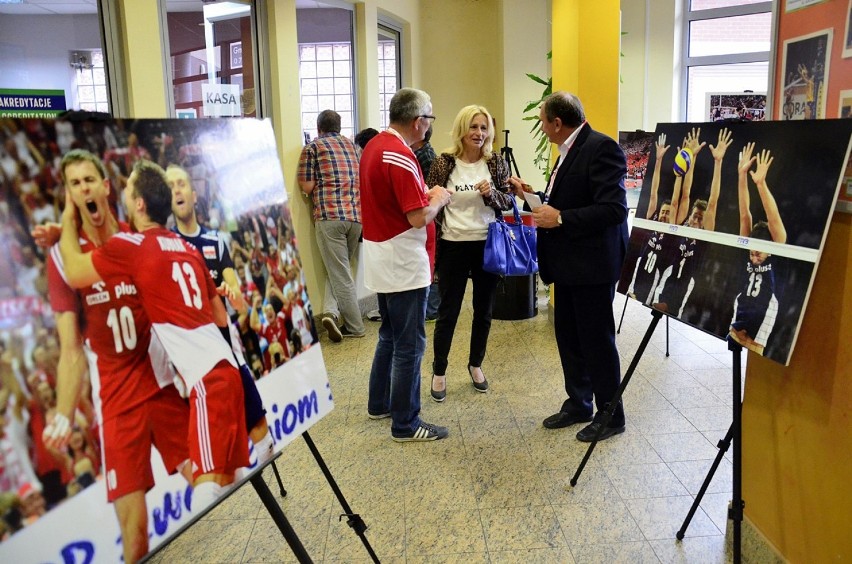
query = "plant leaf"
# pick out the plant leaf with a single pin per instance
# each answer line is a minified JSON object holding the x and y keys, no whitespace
{"x":536,"y":78}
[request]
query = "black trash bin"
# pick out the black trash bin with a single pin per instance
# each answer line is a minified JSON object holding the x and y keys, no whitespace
{"x":516,"y":295}
{"x":515,"y":298}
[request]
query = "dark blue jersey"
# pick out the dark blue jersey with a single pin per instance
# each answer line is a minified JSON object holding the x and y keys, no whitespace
{"x":654,"y":257}
{"x":756,"y":306}
{"x":679,"y":278}
{"x":212,"y":247}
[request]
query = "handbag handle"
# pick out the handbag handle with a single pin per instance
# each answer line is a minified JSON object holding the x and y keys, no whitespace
{"x":515,"y":211}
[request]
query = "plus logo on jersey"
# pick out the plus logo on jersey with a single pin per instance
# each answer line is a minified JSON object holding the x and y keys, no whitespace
{"x":124,"y":289}
{"x":100,"y":296}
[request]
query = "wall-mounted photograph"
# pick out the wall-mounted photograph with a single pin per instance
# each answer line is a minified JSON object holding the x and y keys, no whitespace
{"x":804,"y":76}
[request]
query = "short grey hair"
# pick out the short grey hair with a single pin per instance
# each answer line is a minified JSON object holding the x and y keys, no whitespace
{"x":328,"y":121}
{"x":565,"y":106}
{"x":407,"y":105}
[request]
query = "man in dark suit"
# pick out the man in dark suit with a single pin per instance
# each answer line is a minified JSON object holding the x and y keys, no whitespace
{"x":582,"y":239}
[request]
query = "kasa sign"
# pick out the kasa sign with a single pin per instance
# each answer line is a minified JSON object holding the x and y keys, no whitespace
{"x":221,"y":100}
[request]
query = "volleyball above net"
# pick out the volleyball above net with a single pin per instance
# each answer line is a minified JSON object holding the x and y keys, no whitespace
{"x":683,"y":162}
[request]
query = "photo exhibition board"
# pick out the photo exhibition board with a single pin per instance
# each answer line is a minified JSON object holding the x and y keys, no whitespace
{"x":53,"y":503}
{"x":739,"y":264}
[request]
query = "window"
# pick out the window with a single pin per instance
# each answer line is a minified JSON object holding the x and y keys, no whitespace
{"x":325,"y":72}
{"x":389,"y":70}
{"x":727,"y":47}
{"x":90,"y":78}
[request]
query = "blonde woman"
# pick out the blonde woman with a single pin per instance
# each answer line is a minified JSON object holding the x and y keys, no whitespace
{"x":478,"y":181}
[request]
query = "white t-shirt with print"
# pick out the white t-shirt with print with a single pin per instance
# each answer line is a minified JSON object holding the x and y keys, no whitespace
{"x":466,"y":218}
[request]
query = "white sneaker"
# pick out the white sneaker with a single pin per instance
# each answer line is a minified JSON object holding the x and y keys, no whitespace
{"x":334,"y":334}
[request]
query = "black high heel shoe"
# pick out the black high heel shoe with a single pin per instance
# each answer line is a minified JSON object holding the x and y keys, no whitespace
{"x":436,"y":395}
{"x":478,"y":386}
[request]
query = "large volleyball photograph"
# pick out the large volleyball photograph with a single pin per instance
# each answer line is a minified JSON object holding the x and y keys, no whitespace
{"x":730,"y":225}
{"x":156,"y":338}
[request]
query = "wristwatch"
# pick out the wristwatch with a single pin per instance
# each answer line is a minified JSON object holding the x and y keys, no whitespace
{"x":559,"y":219}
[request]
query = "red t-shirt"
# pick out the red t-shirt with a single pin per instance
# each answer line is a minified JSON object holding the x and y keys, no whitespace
{"x":397,"y":257}
{"x":116,"y":330}
{"x":176,"y":290}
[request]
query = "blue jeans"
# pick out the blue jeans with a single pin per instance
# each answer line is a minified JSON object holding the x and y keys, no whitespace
{"x":433,"y":302}
{"x":395,"y":376}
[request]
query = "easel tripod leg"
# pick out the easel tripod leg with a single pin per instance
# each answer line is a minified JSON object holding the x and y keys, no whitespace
{"x":352,"y":519}
{"x":667,"y":336}
{"x":613,"y":404}
{"x":723,"y":448}
{"x":735,"y":513}
{"x":278,"y":479}
{"x":618,"y":331}
{"x":279,"y":518}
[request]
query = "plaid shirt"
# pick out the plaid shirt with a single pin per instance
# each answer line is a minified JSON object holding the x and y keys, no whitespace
{"x":331,"y":161}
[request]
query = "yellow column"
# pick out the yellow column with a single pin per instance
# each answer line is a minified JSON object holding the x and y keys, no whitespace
{"x":145,"y":77}
{"x":367,"y":71}
{"x":586,"y":39}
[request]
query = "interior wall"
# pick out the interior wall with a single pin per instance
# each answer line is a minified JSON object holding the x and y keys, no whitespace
{"x":650,"y":67}
{"x":29,"y":62}
{"x":526,"y":42}
{"x":462,"y":61}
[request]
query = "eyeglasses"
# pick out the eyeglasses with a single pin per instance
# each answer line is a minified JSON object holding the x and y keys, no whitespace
{"x":433,"y":118}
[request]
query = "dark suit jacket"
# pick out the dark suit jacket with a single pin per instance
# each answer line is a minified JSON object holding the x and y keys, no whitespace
{"x":589,"y":246}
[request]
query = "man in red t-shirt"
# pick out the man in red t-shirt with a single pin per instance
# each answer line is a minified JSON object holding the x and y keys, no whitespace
{"x":399,"y":241}
{"x":139,"y":406}
{"x":177,"y":293}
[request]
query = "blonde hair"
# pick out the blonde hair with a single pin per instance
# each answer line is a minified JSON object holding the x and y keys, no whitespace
{"x":461,"y":126}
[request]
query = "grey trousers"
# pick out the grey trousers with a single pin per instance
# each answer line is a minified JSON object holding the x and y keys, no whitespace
{"x":338,"y":244}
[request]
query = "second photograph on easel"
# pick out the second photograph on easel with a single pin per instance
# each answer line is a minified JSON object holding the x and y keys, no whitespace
{"x":730,"y":225}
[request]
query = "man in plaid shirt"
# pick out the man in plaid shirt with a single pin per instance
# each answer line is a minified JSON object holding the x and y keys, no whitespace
{"x":328,"y":173}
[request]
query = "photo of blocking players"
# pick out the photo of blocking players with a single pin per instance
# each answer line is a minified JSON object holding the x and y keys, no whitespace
{"x":156,"y":343}
{"x":730,"y":225}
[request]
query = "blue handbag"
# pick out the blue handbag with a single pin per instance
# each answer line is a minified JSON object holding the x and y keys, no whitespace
{"x":510,"y":248}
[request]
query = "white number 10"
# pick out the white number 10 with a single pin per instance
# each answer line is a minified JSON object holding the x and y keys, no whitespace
{"x":123,"y":328}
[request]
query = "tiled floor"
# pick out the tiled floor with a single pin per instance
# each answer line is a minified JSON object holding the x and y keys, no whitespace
{"x":497,"y":490}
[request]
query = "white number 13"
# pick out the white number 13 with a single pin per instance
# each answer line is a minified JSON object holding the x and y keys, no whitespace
{"x":178,"y":276}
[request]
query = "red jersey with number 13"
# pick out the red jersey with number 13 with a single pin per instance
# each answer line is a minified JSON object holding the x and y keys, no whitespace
{"x":176,"y":290}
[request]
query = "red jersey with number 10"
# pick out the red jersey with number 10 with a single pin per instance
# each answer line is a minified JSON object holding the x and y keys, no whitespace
{"x":117,"y":332}
{"x":176,"y":290}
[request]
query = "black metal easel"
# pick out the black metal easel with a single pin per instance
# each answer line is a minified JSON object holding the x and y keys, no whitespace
{"x":613,"y":404}
{"x":735,"y":512}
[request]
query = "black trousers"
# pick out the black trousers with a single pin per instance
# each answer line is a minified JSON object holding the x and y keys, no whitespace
{"x":585,"y":335}
{"x":456,"y":260}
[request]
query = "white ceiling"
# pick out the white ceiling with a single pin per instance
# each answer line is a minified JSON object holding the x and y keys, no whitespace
{"x":54,"y":7}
